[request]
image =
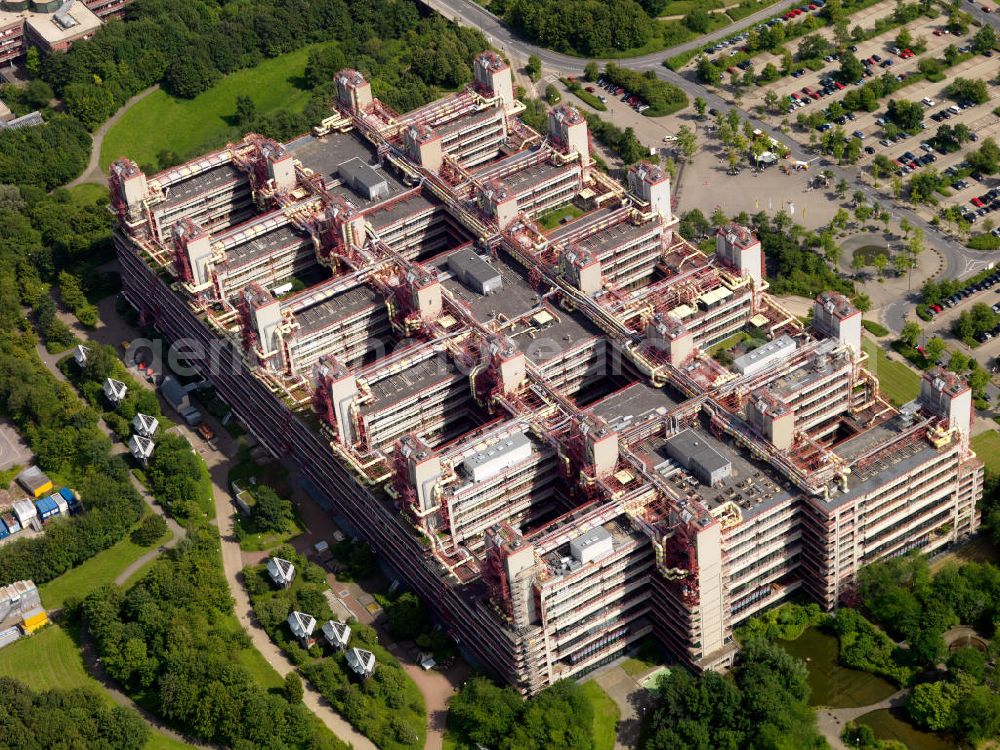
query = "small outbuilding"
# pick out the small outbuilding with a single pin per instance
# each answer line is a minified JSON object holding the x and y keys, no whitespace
{"x":114,"y":390}
{"x":361,"y":662}
{"x":34,"y":620}
{"x":80,"y":355}
{"x":337,"y":634}
{"x":141,"y":448}
{"x":47,"y":508}
{"x":71,"y":498}
{"x":282,"y":572}
{"x":302,"y":626}
{"x":145,"y":425}
{"x":25,"y":512}
{"x":34,"y":482}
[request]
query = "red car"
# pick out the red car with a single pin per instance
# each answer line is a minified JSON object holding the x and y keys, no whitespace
{"x":906,"y":54}
{"x":812,"y":6}
{"x":806,"y":91}
{"x":589,"y":89}
{"x":977,"y":202}
{"x":839,"y":85}
{"x":936,"y":308}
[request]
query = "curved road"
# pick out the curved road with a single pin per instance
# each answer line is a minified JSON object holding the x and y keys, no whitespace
{"x":93,"y":172}
{"x":232,"y":563}
{"x":959,"y":260}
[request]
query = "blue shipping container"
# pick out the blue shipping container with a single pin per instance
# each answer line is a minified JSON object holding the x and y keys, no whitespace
{"x":4,"y":533}
{"x":70,"y":497}
{"x":47,"y":508}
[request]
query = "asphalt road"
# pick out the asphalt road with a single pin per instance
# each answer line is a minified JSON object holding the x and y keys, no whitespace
{"x":959,"y":260}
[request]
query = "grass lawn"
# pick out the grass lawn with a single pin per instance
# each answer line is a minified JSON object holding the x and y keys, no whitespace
{"x":88,"y":193}
{"x":635,"y":668}
{"x":605,"y":715}
{"x":552,"y":219}
{"x":897,"y":382}
{"x":102,"y":568}
{"x":263,"y":540}
{"x":987,"y":447}
{"x":51,"y":659}
{"x":192,"y":126}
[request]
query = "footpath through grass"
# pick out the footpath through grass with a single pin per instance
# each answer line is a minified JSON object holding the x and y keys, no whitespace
{"x":605,"y":715}
{"x":189,"y":127}
{"x":102,"y":568}
{"x":897,"y":382}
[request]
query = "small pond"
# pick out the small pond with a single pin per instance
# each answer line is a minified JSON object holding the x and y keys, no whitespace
{"x":833,"y":685}
{"x":891,"y":724}
{"x":868,"y":253}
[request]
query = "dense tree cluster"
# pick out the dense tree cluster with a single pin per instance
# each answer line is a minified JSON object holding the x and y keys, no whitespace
{"x":918,"y":606}
{"x":592,"y":28}
{"x":63,"y":432}
{"x":59,"y":151}
{"x":187,"y":46}
{"x":765,"y":705}
{"x":903,"y":596}
{"x":785,"y":623}
{"x":663,"y":98}
{"x":178,"y":478}
{"x":794,"y":267}
{"x":78,"y":718}
{"x":485,"y":715}
{"x":169,"y":641}
{"x":387,"y":707}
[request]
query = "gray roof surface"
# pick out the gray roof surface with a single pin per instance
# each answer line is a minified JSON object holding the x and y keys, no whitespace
{"x":202,"y":182}
{"x":631,"y":404}
{"x":337,"y":308}
{"x":359,"y":172}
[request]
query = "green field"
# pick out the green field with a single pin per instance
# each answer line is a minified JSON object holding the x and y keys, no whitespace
{"x":553,"y":218}
{"x":897,"y":382}
{"x":605,"y":716}
{"x":102,"y":568}
{"x":987,"y":447}
{"x":46,"y":660}
{"x":88,"y":193}
{"x":190,"y":127}
{"x":51,"y":659}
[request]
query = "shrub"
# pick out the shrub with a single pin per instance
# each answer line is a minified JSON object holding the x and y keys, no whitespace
{"x":984,"y":242}
{"x":149,"y":530}
{"x":875,"y":329}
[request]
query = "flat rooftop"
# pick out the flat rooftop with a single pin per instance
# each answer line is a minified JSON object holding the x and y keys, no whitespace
{"x":633,"y":404}
{"x":817,"y":368}
{"x":530,"y":177}
{"x":203,"y":182}
{"x":753,"y":487}
{"x":883,"y":433}
{"x":340,"y":306}
{"x":515,"y":299}
{"x":381,"y":216}
{"x":466,"y":121}
{"x":549,"y":333}
{"x":407,"y":383}
{"x":324,"y":155}
{"x":617,"y":235}
{"x":560,"y":233}
{"x":268,"y":243}
{"x":895,"y":465}
{"x":83,"y":22}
